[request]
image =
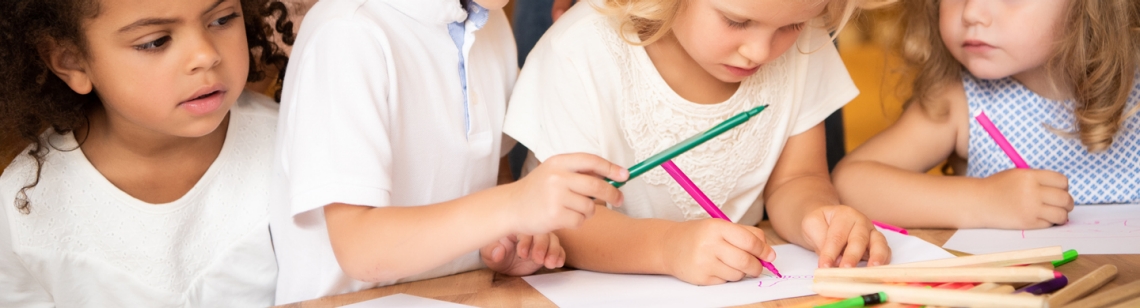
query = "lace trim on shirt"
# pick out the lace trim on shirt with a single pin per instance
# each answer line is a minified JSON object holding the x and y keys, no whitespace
{"x":653,"y":118}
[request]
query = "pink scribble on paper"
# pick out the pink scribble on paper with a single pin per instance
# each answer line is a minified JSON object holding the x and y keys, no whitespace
{"x":786,"y":278}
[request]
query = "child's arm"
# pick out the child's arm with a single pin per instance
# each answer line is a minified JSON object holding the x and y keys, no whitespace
{"x":885,"y":178}
{"x":393,"y":242}
{"x":804,"y":207}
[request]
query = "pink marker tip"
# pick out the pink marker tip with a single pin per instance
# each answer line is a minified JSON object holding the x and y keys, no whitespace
{"x":771,"y":268}
{"x":1057,"y":274}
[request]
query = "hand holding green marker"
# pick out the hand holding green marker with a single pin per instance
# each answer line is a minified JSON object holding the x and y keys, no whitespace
{"x":688,"y":144}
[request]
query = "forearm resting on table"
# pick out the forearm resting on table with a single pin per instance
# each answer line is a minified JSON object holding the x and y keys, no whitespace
{"x":612,"y":242}
{"x":389,"y":243}
{"x":906,"y":198}
{"x":789,"y":203}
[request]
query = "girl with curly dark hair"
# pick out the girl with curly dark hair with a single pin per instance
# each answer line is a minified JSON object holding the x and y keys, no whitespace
{"x":145,"y":181}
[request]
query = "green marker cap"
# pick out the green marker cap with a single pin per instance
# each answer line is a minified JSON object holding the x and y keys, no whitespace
{"x":1069,"y":256}
{"x":858,"y":301}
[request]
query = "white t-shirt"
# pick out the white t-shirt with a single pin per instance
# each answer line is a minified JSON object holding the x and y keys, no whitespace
{"x":87,"y":243}
{"x":584,"y":89}
{"x":372,"y":114}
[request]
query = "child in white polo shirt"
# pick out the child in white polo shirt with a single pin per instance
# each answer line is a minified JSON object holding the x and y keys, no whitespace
{"x":390,"y":138}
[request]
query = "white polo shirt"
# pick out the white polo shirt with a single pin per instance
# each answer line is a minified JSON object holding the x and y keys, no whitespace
{"x":372,"y":114}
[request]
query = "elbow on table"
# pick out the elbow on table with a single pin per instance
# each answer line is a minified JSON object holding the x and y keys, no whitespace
{"x":356,"y":266}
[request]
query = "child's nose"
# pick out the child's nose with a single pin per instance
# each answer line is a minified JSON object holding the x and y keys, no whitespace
{"x":758,"y":49}
{"x":203,"y":54}
{"x":975,"y":12}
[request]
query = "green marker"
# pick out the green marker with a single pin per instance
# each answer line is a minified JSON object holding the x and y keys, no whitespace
{"x":858,"y":301}
{"x":1069,"y":256}
{"x":688,"y":144}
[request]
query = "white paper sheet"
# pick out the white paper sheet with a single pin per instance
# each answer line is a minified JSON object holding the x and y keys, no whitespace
{"x":1091,"y":230}
{"x":405,"y":300}
{"x":592,"y":289}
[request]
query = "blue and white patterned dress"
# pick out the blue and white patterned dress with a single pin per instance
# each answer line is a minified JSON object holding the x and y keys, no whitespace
{"x":1025,"y":118}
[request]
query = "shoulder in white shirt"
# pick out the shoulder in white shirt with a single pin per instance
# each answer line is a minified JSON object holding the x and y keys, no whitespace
{"x":373,"y":114}
{"x":87,"y":243}
{"x":584,"y":89}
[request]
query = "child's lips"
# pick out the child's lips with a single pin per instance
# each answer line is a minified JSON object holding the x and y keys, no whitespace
{"x":204,"y":104}
{"x":742,"y":72}
{"x":976,"y":46}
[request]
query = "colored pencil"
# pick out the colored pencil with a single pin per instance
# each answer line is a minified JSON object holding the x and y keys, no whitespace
{"x":959,"y":274}
{"x":927,"y":296}
{"x":1133,"y":303}
{"x":1045,"y":287}
{"x":1000,"y":259}
{"x":1067,"y":257}
{"x":998,"y":138}
{"x":1110,"y":297}
{"x":1083,"y":286}
{"x":858,"y":301}
{"x":688,"y":144}
{"x":706,"y":203}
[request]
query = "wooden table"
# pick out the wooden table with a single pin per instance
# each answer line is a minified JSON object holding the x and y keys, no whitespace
{"x":484,"y":288}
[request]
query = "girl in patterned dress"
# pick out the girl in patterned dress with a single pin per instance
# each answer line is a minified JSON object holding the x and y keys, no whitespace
{"x":1058,"y":78}
{"x":626,"y":79}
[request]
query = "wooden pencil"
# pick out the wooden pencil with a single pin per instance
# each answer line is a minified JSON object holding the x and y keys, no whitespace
{"x":1002,"y":289}
{"x":927,"y":296}
{"x":1028,"y":256}
{"x":983,"y":287}
{"x":1083,"y":286}
{"x":1108,"y":298}
{"x":1132,"y":303}
{"x":961,"y":274}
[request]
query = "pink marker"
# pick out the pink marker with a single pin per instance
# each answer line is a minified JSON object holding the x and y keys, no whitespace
{"x":705,"y":203}
{"x":890,"y":227}
{"x":1000,"y":140}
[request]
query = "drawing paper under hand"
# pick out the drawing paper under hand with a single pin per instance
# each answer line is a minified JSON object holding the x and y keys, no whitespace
{"x":593,"y":289}
{"x":1091,"y":230}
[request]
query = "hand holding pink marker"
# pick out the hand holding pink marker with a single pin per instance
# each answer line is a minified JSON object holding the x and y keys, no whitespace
{"x":706,"y":203}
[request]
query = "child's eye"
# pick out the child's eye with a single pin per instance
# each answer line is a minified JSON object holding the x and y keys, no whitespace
{"x":795,"y":27}
{"x":153,"y":45}
{"x":224,"y":20}
{"x":735,"y":24}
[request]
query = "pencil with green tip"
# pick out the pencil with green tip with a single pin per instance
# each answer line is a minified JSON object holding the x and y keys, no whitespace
{"x":688,"y":144}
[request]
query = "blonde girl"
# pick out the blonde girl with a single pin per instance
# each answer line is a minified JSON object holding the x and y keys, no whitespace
{"x":1057,"y":77}
{"x":625,"y":79}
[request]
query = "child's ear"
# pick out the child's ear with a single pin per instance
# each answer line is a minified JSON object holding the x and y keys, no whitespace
{"x":67,"y":62}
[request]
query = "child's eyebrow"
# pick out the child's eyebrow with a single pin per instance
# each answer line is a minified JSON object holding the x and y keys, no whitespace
{"x":163,"y":21}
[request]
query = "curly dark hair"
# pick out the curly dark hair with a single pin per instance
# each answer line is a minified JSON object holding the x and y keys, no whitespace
{"x":33,"y":99}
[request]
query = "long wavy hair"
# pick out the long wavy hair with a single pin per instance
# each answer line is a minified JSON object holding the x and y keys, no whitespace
{"x":1095,"y":60}
{"x":33,"y":99}
{"x":652,"y":19}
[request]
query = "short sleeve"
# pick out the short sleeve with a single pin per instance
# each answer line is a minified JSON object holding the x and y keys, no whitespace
{"x":334,"y":143}
{"x":553,"y":110}
{"x":827,"y":85}
{"x":18,"y":288}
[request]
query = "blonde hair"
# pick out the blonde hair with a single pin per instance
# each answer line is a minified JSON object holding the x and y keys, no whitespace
{"x":1095,"y":61}
{"x":652,"y":19}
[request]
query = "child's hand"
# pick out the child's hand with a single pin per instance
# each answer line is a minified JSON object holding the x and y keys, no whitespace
{"x":557,"y":193}
{"x":523,"y":254}
{"x":843,"y":236}
{"x":1025,"y":199}
{"x":713,"y":251}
